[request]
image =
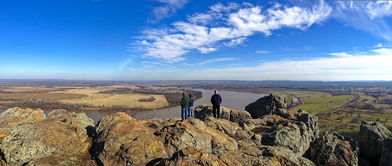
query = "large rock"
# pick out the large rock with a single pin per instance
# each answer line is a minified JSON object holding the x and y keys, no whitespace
{"x":230,"y":128}
{"x":233,"y":115}
{"x":295,"y":134}
{"x":371,"y":135}
{"x":264,"y":156}
{"x":268,"y":105}
{"x":123,"y":140}
{"x":386,"y":152}
{"x":193,"y":132}
{"x":190,"y":156}
{"x":14,"y":116}
{"x":81,"y":118}
{"x":333,"y":149}
{"x":52,"y":141}
{"x":252,"y":155}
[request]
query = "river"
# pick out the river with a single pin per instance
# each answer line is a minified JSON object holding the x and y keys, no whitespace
{"x":236,"y":100}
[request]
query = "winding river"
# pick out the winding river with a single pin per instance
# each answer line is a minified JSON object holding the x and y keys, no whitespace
{"x":231,"y":99}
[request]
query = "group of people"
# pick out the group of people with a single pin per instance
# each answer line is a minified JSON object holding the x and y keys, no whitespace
{"x":187,"y":105}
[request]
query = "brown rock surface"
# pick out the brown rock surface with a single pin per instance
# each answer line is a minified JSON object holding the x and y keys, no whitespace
{"x":193,"y":132}
{"x":334,"y":149}
{"x":122,"y":140}
{"x":14,"y":116}
{"x":52,"y":141}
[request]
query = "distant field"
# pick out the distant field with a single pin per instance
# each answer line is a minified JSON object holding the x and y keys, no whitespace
{"x":95,"y":96}
{"x":321,"y":104}
{"x":39,"y":96}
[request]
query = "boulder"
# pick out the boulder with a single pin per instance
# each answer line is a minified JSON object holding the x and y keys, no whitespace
{"x":264,"y":156}
{"x":123,"y":140}
{"x":14,"y":116}
{"x":230,"y":128}
{"x":193,"y":132}
{"x":294,"y":134}
{"x":190,"y":156}
{"x":233,"y":115}
{"x":52,"y":141}
{"x":81,"y":118}
{"x":334,"y":149}
{"x":268,"y":105}
{"x":386,"y":152}
{"x":371,"y":135}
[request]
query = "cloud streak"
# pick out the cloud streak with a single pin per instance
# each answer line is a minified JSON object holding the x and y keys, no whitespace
{"x":211,"y":61}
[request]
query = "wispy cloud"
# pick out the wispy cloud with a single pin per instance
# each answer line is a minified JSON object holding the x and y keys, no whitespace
{"x":168,"y":8}
{"x":124,"y":64}
{"x":371,"y":65}
{"x":236,"y":23}
{"x":366,"y":16}
{"x":262,"y":52}
{"x":210,"y":61}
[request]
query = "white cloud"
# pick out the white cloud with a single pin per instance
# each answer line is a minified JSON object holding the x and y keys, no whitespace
{"x":234,"y":42}
{"x":211,"y":61}
{"x":372,"y":65}
{"x":379,"y":45}
{"x":341,"y":54}
{"x":124,"y":64}
{"x":366,"y":16}
{"x":206,"y":50}
{"x":168,"y":8}
{"x":237,"y":23}
{"x":262,"y":52}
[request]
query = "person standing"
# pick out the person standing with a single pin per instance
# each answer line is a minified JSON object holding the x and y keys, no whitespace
{"x":184,"y":106}
{"x":216,"y":100}
{"x":190,"y":108}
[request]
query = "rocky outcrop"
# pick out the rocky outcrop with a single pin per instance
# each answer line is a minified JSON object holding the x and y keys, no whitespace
{"x":386,"y":152}
{"x":14,"y":116}
{"x":295,"y":134}
{"x":190,"y":156}
{"x":268,"y":105}
{"x":123,"y":140}
{"x":371,"y":135}
{"x":334,"y":149}
{"x":193,"y":132}
{"x":68,"y":138}
{"x":233,"y":115}
{"x":52,"y":141}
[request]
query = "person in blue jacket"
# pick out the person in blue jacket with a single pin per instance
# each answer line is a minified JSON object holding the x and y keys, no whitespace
{"x":216,"y":100}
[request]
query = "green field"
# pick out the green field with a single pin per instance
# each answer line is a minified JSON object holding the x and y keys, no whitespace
{"x":317,"y":105}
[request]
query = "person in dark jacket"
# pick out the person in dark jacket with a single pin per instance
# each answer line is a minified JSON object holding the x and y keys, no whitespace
{"x":184,"y":106}
{"x":190,"y":108}
{"x":216,"y":100}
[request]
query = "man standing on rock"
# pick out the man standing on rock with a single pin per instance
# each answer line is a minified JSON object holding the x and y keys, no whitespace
{"x":216,"y":100}
{"x":184,"y":106}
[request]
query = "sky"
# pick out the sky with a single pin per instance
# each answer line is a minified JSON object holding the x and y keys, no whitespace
{"x":324,"y":40}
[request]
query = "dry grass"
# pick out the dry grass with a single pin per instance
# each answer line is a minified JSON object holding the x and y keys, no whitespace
{"x":129,"y":100}
{"x":38,"y":96}
{"x":19,"y":89}
{"x":81,"y":95}
{"x":95,"y":97}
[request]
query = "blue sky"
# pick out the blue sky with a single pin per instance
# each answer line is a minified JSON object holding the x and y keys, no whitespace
{"x":195,"y":40}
